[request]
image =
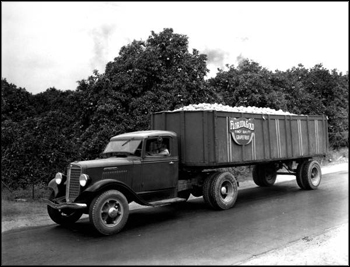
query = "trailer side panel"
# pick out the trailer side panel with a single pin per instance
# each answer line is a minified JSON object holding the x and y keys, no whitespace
{"x":215,"y":138}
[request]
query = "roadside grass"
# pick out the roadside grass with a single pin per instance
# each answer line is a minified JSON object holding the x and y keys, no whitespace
{"x":334,"y":156}
{"x":36,"y":193}
{"x":17,"y":203}
{"x":20,"y":202}
{"x":11,"y":210}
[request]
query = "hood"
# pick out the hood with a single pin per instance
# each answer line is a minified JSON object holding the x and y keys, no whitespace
{"x":108,"y":162}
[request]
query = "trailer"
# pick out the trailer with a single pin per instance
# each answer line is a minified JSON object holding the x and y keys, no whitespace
{"x":226,"y":139}
{"x":184,"y":153}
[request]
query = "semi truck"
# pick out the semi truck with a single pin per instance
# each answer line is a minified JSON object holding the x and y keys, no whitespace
{"x":187,"y":152}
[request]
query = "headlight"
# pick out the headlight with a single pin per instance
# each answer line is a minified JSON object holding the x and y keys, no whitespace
{"x":83,"y":179}
{"x":59,"y":178}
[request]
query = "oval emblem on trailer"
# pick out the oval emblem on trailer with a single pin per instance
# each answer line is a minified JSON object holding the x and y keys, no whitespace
{"x":242,"y":130}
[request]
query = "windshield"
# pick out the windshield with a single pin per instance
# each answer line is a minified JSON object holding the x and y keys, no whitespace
{"x":122,"y":146}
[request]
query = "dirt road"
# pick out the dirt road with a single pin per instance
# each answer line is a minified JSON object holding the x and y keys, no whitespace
{"x":330,"y":248}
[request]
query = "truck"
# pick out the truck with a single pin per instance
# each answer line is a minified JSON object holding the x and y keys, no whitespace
{"x":201,"y":147}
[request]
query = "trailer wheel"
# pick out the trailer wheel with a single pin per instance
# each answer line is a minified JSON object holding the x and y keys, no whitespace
{"x":206,"y":189}
{"x":63,"y":216}
{"x":223,"y":191}
{"x":256,"y":175}
{"x":109,"y":212}
{"x":264,"y":175}
{"x":311,"y":175}
{"x":299,"y":177}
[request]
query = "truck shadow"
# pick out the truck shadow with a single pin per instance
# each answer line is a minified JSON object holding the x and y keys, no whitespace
{"x":149,"y":218}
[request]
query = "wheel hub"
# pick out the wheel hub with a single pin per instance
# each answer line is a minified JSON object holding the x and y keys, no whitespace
{"x":315,"y":176}
{"x":113,"y":212}
{"x":223,"y":190}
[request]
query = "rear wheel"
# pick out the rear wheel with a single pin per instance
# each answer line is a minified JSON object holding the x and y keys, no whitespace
{"x":264,"y":175}
{"x":256,"y":176}
{"x":311,"y":175}
{"x":299,"y":177}
{"x":206,"y":189}
{"x":109,"y":212}
{"x":223,"y":191}
{"x":63,"y":216}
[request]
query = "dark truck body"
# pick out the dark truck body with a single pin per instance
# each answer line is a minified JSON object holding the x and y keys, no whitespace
{"x":200,"y":144}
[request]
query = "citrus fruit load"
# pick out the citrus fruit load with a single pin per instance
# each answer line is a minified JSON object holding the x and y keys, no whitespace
{"x":221,"y":107}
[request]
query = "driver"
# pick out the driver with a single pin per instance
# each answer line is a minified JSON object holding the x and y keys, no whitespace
{"x":160,"y":148}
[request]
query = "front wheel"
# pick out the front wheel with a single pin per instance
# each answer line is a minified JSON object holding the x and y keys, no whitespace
{"x":63,"y":216}
{"x":109,"y":212}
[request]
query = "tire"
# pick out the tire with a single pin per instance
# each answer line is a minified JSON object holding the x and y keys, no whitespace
{"x":311,"y":175}
{"x":256,"y":175}
{"x":264,"y":175}
{"x":223,"y":191}
{"x":206,"y":189}
{"x":63,"y":216}
{"x":109,"y":212}
{"x":299,"y":174}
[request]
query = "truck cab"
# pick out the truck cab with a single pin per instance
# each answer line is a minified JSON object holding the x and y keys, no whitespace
{"x":138,"y":166}
{"x":155,"y":173}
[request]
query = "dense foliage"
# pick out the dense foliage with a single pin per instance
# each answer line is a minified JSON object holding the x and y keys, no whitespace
{"x":42,"y":133}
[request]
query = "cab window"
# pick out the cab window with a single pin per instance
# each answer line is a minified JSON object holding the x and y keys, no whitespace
{"x":158,"y":147}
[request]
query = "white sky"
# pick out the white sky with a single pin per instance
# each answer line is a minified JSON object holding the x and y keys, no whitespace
{"x":55,"y":44}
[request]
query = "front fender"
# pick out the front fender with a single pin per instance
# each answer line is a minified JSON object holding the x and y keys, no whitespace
{"x":102,"y":185}
{"x":54,"y":186}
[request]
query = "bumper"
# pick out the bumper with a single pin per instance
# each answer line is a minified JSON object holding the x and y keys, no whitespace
{"x":75,"y":206}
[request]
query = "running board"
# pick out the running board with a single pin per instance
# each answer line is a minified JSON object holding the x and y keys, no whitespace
{"x":167,"y":201}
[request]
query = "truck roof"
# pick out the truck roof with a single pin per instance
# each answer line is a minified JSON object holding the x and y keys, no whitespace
{"x":144,"y":134}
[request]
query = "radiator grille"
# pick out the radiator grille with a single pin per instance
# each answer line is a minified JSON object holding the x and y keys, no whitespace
{"x":73,"y":186}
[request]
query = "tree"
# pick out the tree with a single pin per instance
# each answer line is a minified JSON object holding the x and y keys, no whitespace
{"x":41,"y":134}
{"x":35,"y":149}
{"x":16,"y":103}
{"x":318,"y":91}
{"x":147,"y":76}
{"x":337,"y":103}
{"x":54,"y":99}
{"x":250,"y":85}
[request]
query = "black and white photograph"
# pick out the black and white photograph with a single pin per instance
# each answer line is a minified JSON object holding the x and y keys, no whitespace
{"x":174,"y":133}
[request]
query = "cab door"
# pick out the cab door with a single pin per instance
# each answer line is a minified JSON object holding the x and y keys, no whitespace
{"x":160,"y":172}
